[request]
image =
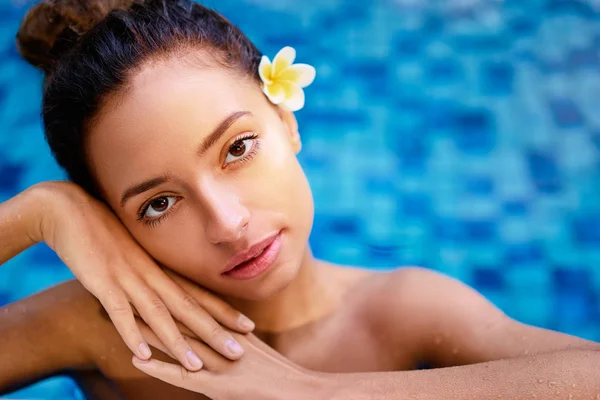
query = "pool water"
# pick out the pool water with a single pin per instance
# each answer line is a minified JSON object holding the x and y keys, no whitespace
{"x":460,"y":135}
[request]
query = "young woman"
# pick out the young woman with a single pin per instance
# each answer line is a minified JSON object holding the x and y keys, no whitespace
{"x":187,"y":200}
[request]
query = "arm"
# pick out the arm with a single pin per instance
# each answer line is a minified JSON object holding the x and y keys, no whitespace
{"x":20,"y":220}
{"x":452,"y":325}
{"x":568,"y":374}
{"x":39,"y":336}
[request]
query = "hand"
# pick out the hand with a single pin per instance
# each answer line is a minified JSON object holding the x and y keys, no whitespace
{"x":262,"y":374}
{"x":110,"y":264}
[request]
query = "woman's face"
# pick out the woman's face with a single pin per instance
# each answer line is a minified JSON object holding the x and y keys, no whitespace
{"x":202,"y":170}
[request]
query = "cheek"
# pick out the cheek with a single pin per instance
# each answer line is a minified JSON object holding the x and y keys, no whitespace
{"x":284,"y":187}
{"x":177,"y":244}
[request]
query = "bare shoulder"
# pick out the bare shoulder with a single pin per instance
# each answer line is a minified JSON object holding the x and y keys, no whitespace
{"x":420,"y":309}
{"x":448,"y":323}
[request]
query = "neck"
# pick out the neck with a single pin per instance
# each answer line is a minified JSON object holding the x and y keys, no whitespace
{"x":310,"y":296}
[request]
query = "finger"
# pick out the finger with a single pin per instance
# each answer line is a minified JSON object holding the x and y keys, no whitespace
{"x":211,"y":359}
{"x":174,"y":374}
{"x":186,"y":309}
{"x":156,"y":314}
{"x":152,"y":339}
{"x":221,"y":311}
{"x":120,"y":313}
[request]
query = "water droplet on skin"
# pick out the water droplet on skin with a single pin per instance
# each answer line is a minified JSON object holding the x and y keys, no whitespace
{"x":455,"y":351}
{"x":526,"y":352}
{"x":540,"y":381}
{"x":552,"y":384}
{"x":573,"y":385}
{"x":533,"y":396}
{"x":19,"y":217}
{"x":438,"y":340}
{"x":103,"y":358}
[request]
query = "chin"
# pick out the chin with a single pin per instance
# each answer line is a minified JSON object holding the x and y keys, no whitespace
{"x":271,"y":283}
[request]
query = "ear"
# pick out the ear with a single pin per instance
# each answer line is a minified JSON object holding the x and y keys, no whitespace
{"x":291,"y":125}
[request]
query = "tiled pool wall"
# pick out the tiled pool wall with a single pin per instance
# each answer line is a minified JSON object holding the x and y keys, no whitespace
{"x":460,"y":135}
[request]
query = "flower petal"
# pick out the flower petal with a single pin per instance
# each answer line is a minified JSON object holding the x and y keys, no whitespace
{"x":264,"y":69}
{"x":294,"y":96}
{"x":274,"y":92}
{"x":283,"y":59}
{"x":301,"y":74}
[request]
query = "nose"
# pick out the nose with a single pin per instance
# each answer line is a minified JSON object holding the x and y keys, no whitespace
{"x":226,"y":216}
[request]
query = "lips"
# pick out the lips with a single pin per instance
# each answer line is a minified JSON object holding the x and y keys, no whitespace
{"x":256,"y":260}
{"x":252,"y":252}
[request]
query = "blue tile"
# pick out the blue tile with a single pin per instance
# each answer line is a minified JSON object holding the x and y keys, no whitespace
{"x":448,"y":229}
{"x":583,"y":58}
{"x":526,"y":253}
{"x":565,"y":7}
{"x":408,"y":46}
{"x":433,"y":24}
{"x":544,"y":172}
{"x":586,"y":229}
{"x":523,"y":25}
{"x":474,"y":131}
{"x":442,"y":71}
{"x":486,"y":278}
{"x":516,"y":207}
{"x":378,"y":184}
{"x":345,"y":226}
{"x":43,"y":254}
{"x":566,"y":113}
{"x":5,"y":298}
{"x":497,"y":78}
{"x":381,"y":253}
{"x":572,"y":310}
{"x":596,"y":139}
{"x":479,"y":185}
{"x":10,"y":176}
{"x":481,"y":43}
{"x":571,"y":280}
{"x":480,"y":230}
{"x":416,"y":205}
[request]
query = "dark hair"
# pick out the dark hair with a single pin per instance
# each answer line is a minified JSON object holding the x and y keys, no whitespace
{"x":89,"y":48}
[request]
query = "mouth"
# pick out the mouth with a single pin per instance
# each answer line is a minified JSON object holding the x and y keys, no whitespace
{"x":256,"y":260}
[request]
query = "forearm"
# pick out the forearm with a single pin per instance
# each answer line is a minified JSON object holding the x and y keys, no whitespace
{"x":20,"y":219}
{"x":43,"y":335}
{"x":565,"y":375}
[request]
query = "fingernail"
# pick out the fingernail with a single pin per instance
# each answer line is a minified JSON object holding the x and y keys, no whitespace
{"x":145,"y":350}
{"x":245,"y":322}
{"x":193,"y":359}
{"x":234,"y":347}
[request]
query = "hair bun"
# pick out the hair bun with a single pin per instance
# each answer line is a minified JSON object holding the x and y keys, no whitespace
{"x":51,"y":27}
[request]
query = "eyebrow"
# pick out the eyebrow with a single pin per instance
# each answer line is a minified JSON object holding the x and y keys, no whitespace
{"x":206,"y":144}
{"x":220,"y":130}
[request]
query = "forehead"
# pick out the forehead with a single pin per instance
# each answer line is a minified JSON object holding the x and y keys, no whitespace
{"x":168,"y":106}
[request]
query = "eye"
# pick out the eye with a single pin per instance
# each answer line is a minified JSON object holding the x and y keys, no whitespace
{"x":239,"y":149}
{"x":159,"y":206}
